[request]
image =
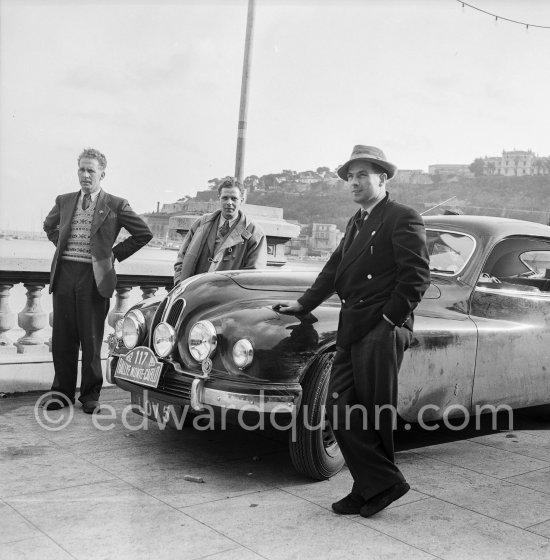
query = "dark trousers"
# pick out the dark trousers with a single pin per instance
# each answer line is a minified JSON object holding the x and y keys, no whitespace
{"x":363,"y":380}
{"x":79,"y":313}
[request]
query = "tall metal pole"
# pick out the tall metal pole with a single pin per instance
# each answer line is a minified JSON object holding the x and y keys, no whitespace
{"x":241,"y":135}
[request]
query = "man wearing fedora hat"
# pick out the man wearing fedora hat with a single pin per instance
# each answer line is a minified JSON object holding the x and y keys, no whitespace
{"x":380,"y":270}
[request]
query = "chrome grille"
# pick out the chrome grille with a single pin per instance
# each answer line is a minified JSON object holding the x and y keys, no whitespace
{"x":175,"y":385}
{"x":175,"y":312}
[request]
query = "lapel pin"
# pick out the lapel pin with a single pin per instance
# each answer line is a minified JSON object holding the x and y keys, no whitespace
{"x":373,"y":232}
{"x":101,"y":211}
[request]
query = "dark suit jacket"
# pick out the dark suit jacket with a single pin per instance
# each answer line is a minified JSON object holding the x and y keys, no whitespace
{"x":384,"y":270}
{"x":111,"y":214}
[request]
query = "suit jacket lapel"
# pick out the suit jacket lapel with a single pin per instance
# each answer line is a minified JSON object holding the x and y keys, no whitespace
{"x":101,"y":211}
{"x":67,"y":218}
{"x":364,"y":238}
{"x":234,"y":237}
{"x":213,"y":226}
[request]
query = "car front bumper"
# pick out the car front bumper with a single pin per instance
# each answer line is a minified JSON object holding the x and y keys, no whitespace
{"x":201,"y":393}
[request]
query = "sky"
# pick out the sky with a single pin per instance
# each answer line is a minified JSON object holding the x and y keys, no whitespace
{"x":155,"y":85}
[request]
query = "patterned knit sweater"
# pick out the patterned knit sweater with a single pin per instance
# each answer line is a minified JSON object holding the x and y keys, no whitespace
{"x":78,"y":244}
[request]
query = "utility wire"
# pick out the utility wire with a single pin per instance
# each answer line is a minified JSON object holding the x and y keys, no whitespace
{"x":497,"y":17}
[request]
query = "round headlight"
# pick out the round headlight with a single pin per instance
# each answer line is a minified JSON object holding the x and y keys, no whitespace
{"x":118,"y":329}
{"x":164,"y":339}
{"x":202,"y":340}
{"x":133,"y":328}
{"x":243,"y":353}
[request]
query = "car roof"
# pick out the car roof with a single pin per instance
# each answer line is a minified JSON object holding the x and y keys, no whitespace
{"x":487,"y":226}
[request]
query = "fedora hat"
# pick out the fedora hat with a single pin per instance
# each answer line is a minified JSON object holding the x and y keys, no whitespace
{"x":367,"y":153}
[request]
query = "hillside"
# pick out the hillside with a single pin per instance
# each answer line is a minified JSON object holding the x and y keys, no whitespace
{"x":519,"y":197}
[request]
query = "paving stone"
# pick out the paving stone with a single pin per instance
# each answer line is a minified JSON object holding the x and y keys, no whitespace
{"x":484,"y":459}
{"x":285,"y":526}
{"x":239,"y":553}
{"x":38,"y":468}
{"x":487,"y":495}
{"x":113,"y":520}
{"x":121,"y":493}
{"x":175,"y":484}
{"x":40,"y":547}
{"x":542,"y":529}
{"x":454,"y":533}
{"x":537,"y":480}
{"x":14,"y":526}
{"x":524,"y":444}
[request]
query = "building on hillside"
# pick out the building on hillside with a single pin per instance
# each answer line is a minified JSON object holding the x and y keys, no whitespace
{"x":309,"y":177}
{"x":324,"y":238}
{"x":412,"y":177}
{"x":158,"y":221}
{"x":491,"y":165}
{"x":516,"y":163}
{"x":446,"y":169}
{"x":315,"y":240}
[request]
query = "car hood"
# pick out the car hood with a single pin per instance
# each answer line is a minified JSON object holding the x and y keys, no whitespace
{"x":276,"y":280}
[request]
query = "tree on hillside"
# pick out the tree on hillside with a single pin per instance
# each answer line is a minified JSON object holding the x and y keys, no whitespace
{"x":251,"y":182}
{"x":213,"y":184}
{"x":477,"y":167}
{"x":323,"y":171}
{"x":540,"y":164}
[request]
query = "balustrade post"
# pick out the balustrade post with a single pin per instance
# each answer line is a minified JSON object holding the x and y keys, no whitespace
{"x":148,"y":291}
{"x":32,"y":319}
{"x":7,"y":320}
{"x":121,"y":305}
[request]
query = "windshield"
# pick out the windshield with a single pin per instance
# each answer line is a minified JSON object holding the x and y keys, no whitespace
{"x":449,"y":251}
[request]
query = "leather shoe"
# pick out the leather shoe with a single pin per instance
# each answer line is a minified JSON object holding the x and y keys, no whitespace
{"x":57,"y":403}
{"x":91,"y":407}
{"x":384,"y":499}
{"x":54,"y":405}
{"x":349,"y":505}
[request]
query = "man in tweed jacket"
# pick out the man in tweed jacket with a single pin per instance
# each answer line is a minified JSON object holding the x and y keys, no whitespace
{"x":83,"y":226}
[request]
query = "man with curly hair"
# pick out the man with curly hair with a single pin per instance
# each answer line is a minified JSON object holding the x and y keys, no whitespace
{"x":84,"y":225}
{"x":224,"y":240}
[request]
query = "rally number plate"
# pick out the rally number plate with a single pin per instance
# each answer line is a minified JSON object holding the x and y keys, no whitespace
{"x":140,"y":366}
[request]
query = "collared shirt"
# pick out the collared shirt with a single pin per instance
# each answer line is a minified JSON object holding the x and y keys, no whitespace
{"x":93,"y":196}
{"x":370,"y":207}
{"x":231,"y":222}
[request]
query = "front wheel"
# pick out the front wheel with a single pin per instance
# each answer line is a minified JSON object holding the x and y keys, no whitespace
{"x":313,"y":447}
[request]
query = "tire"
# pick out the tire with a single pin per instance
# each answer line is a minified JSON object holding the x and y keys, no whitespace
{"x":314,"y":452}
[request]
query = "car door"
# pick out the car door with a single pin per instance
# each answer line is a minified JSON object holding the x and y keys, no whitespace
{"x":511,"y":308}
{"x":436,"y":378}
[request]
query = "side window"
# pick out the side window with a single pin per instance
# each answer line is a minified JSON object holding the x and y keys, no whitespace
{"x":449,"y":251}
{"x":520,"y":264}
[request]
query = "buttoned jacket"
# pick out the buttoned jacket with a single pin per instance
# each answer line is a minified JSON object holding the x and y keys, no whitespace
{"x":383,"y":270}
{"x":111,"y":214}
{"x":244,"y":248}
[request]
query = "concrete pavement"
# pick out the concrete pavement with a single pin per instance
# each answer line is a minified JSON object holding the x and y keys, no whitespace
{"x":116,"y":491}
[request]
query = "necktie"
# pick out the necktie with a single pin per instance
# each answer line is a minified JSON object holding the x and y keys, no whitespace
{"x":360,"y":220}
{"x":86,"y":200}
{"x":224,"y":229}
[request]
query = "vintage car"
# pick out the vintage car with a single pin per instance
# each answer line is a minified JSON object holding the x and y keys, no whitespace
{"x":216,"y":341}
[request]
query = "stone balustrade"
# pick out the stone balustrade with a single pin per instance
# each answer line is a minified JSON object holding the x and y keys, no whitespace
{"x":32,"y":318}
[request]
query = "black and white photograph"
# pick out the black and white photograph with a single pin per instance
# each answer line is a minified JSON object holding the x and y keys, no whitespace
{"x":274,"y":279}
